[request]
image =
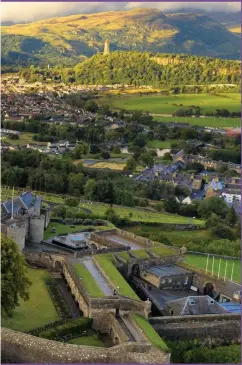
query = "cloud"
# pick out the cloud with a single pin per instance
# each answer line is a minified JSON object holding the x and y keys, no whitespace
{"x":30,"y":11}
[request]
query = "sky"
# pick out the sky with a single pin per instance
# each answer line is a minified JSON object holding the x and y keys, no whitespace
{"x":27,"y":12}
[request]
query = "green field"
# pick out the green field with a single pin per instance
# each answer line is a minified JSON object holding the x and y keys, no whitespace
{"x":176,"y":238}
{"x":88,"y":341}
{"x":162,"y":104}
{"x":155,"y":143}
{"x":88,"y":281}
{"x":140,"y":215}
{"x":24,"y":139}
{"x":38,"y":310}
{"x":200,"y":262}
{"x":105,"y":261}
{"x":202,"y":122}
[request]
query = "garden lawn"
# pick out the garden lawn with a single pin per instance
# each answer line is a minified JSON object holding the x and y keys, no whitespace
{"x":163,"y":104}
{"x":62,"y":229}
{"x":155,"y":143}
{"x":87,"y":341}
{"x":106,"y":263}
{"x":38,"y":310}
{"x":200,"y":261}
{"x":149,"y":331}
{"x":108,"y":165}
{"x":88,"y":281}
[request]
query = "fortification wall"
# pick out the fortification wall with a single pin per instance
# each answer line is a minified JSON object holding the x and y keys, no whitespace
{"x":218,"y":329}
{"x":19,"y":347}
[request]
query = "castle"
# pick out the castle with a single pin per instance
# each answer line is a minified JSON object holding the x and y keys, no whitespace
{"x":24,"y":219}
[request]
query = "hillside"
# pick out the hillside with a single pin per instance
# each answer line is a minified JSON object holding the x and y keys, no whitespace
{"x":66,"y":40}
{"x":136,"y":68}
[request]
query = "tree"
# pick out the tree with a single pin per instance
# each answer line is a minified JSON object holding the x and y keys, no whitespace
{"x":231,"y":217}
{"x":111,"y":216}
{"x":167,"y":157}
{"x":90,"y":189}
{"x":14,"y":280}
{"x":130,"y":164}
{"x":218,"y":355}
{"x":223,"y":231}
{"x":60,"y":211}
{"x":147,"y":159}
{"x":171,"y":205}
{"x":213,"y":205}
{"x":182,"y":190}
{"x":71,"y":202}
{"x":213,"y":220}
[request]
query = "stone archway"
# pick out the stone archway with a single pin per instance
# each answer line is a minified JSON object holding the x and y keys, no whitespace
{"x":93,"y":246}
{"x":135,"y":271}
{"x":209,"y":289}
{"x":58,"y":266}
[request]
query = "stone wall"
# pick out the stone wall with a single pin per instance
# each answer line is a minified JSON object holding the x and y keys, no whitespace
{"x":104,"y":241}
{"x":19,"y":347}
{"x":106,"y":322}
{"x":216,"y":329}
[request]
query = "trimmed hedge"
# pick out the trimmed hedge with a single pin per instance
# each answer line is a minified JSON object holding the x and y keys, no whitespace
{"x":57,"y":299}
{"x":70,"y":329}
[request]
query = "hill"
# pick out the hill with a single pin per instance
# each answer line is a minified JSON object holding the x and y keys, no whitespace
{"x":66,"y":40}
{"x":136,"y":68}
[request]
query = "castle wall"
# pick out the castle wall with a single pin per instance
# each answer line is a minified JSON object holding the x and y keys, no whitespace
{"x":217,"y":329}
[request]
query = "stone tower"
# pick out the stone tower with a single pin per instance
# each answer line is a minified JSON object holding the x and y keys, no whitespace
{"x":106,"y":47}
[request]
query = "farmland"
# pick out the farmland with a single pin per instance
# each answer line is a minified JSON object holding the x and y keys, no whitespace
{"x":162,"y":104}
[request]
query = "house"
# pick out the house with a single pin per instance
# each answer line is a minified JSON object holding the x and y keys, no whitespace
{"x":231,"y":195}
{"x":194,"y":305}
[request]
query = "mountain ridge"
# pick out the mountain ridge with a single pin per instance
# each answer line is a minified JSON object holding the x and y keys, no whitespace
{"x":70,"y":39}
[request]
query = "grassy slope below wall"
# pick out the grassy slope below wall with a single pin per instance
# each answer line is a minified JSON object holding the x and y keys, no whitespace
{"x":88,"y":281}
{"x":149,"y":331}
{"x":106,"y":262}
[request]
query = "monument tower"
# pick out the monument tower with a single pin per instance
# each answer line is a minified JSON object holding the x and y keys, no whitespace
{"x":106,"y":47}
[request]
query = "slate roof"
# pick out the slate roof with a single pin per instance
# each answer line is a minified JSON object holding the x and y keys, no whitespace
{"x":29,"y":199}
{"x":166,"y":270}
{"x":7,"y":206}
{"x":196,"y":305}
{"x":230,"y":289}
{"x":232,"y":307}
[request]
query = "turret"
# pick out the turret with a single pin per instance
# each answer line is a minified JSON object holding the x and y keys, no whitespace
{"x":106,"y":47}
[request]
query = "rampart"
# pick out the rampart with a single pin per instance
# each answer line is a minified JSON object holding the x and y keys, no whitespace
{"x":18,"y":347}
{"x":217,"y":329}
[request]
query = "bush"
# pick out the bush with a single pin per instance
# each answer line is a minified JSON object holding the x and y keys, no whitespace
{"x":57,"y":299}
{"x":71,"y":202}
{"x":223,"y":231}
{"x":71,"y":329}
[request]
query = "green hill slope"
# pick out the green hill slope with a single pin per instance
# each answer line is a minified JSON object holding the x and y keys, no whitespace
{"x":67,"y":40}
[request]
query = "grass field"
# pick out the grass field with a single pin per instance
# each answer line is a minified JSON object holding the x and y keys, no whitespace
{"x":202,"y":122}
{"x":155,"y":143}
{"x":105,"y":261}
{"x":38,"y":310}
{"x":176,"y":238}
{"x":200,"y":262}
{"x":24,"y":139}
{"x":88,"y":341}
{"x":108,"y":165}
{"x":140,"y":215}
{"x":163,"y":104}
{"x":88,"y":281}
{"x":133,"y":214}
{"x":149,"y":331}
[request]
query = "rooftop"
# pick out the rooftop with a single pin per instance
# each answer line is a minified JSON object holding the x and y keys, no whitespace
{"x":195,"y":305}
{"x":166,"y":270}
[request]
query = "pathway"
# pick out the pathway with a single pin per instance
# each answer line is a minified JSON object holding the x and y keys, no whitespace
{"x":124,"y":241}
{"x":99,"y":278}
